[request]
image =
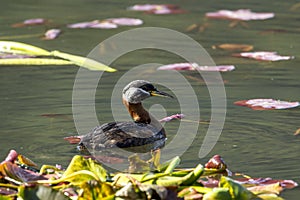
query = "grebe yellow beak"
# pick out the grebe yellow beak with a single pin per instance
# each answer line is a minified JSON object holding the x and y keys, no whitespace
{"x":160,"y":94}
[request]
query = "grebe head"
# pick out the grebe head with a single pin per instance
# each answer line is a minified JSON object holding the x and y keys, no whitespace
{"x":138,"y":90}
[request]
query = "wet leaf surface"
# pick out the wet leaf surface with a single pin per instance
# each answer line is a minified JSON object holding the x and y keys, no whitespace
{"x":266,"y":104}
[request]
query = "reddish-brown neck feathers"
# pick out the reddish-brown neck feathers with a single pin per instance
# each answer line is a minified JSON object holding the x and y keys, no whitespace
{"x":137,"y":112}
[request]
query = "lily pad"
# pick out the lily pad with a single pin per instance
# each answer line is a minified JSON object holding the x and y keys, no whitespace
{"x":266,"y":104}
{"x":241,"y":14}
{"x":158,"y":9}
{"x":195,"y":66}
{"x":263,"y":56}
{"x":52,"y":34}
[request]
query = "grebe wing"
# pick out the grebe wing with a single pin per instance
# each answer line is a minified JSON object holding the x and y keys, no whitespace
{"x":122,"y":134}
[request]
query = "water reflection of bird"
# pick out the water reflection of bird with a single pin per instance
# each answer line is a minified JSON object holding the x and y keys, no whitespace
{"x":144,"y":129}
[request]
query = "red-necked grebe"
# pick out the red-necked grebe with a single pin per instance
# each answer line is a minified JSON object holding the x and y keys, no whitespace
{"x":144,"y":129}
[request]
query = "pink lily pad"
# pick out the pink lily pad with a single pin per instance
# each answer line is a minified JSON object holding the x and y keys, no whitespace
{"x":263,"y":56}
{"x":126,"y":21}
{"x":107,"y":23}
{"x":169,"y":118}
{"x":52,"y":34}
{"x":104,"y":25}
{"x":266,"y":104}
{"x":195,"y":66}
{"x":94,"y":24}
{"x":289,"y":184}
{"x":158,"y":9}
{"x":31,"y":22}
{"x":241,"y":14}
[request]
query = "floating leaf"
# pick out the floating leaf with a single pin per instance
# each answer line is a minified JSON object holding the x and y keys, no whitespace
{"x":67,"y":59}
{"x":14,"y":172}
{"x":94,"y":190}
{"x":110,"y":23}
{"x":172,"y":117}
{"x":266,"y":104}
{"x":83,"y":62}
{"x":241,"y":14}
{"x":52,"y":34}
{"x":11,"y":157}
{"x":22,"y":48}
{"x":236,"y":190}
{"x":158,"y":9}
{"x":297,"y":132}
{"x":125,"y":21}
{"x":263,"y":56}
{"x":195,"y":66}
{"x":137,"y":165}
{"x":26,"y":161}
{"x":34,"y":61}
{"x":218,"y":194}
{"x":234,"y":47}
{"x":40,"y":192}
{"x":79,"y":163}
{"x":31,"y":22}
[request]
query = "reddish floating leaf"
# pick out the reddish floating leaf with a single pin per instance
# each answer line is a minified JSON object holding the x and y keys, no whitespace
{"x":263,"y":55}
{"x":110,"y":23}
{"x":11,"y":170}
{"x":169,"y":118}
{"x":195,"y":66}
{"x":73,"y":139}
{"x":241,"y":14}
{"x":94,"y":24}
{"x":234,"y":47}
{"x":52,"y":34}
{"x":158,"y":9}
{"x":126,"y":21}
{"x":266,"y":104}
{"x":289,"y":184}
{"x":31,"y":22}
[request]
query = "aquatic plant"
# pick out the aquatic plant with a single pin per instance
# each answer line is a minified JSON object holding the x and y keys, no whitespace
{"x":25,"y":54}
{"x":87,"y":179}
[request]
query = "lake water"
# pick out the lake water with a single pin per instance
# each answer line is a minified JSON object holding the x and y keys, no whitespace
{"x":258,"y":143}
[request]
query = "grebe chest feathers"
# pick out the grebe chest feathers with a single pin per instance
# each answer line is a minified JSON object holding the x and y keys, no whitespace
{"x":144,"y":129}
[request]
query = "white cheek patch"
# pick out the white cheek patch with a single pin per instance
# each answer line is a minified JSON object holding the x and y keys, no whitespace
{"x":135,"y":95}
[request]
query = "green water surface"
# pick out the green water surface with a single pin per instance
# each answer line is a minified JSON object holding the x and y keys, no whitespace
{"x":258,"y":143}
